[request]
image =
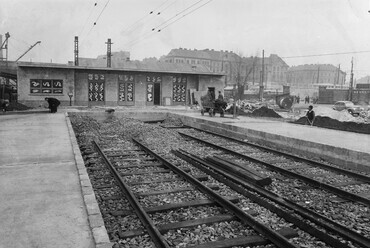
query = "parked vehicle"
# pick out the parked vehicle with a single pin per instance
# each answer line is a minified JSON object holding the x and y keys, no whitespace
{"x":353,"y":109}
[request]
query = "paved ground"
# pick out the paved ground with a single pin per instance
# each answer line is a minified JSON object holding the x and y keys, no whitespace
{"x":41,"y":202}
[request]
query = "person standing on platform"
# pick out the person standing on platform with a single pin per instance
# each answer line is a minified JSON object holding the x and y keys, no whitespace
{"x":53,"y":104}
{"x":310,"y":115}
{"x":220,"y":96}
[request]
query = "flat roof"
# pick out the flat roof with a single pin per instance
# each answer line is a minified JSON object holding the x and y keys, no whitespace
{"x":134,"y":66}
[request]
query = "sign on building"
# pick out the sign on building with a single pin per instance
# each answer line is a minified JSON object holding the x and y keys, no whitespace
{"x":96,"y":87}
{"x":126,"y":87}
{"x":46,"y":86}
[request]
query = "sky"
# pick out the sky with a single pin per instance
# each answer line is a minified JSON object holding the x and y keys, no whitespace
{"x":300,"y":31}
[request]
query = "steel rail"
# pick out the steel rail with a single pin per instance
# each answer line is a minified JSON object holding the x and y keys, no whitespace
{"x":312,"y":182}
{"x":156,"y":236}
{"x":234,"y":183}
{"x":292,"y":156}
{"x":274,"y":237}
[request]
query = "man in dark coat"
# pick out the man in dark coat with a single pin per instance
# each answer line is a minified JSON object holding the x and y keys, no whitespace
{"x":310,"y":115}
{"x":53,"y":104}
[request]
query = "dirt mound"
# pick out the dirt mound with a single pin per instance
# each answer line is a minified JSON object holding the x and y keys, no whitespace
{"x":327,"y":122}
{"x":265,"y":112}
{"x":260,"y":112}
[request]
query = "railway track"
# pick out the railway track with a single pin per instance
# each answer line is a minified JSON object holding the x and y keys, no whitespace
{"x":211,"y":208}
{"x":266,"y":161}
{"x":189,"y":183}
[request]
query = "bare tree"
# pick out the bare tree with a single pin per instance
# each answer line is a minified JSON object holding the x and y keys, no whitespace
{"x":241,"y":69}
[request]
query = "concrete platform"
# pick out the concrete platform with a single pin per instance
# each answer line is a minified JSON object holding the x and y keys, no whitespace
{"x":46,"y":195}
{"x":349,"y":150}
{"x":42,"y":202}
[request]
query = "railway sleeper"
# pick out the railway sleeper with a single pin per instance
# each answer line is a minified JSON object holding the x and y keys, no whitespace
{"x":178,"y":225}
{"x":150,"y":172}
{"x":201,"y":178}
{"x":159,"y":192}
{"x":173,"y":206}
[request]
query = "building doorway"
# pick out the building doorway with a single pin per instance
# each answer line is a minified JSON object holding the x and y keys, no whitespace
{"x":157,"y":94}
{"x":212,"y":91}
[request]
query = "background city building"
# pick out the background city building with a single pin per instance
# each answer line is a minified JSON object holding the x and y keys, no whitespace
{"x":239,"y":70}
{"x":305,"y":80}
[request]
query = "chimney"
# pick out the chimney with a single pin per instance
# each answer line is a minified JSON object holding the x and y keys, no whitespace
{"x":76,"y":50}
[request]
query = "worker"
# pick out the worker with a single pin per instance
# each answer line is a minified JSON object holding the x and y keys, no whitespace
{"x":53,"y":104}
{"x":310,"y":115}
{"x":220,"y":96}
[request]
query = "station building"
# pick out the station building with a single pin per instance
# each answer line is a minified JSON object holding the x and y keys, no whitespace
{"x":132,"y":83}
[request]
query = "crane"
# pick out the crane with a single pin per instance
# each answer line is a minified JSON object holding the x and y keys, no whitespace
{"x":3,"y":46}
{"x":28,"y":50}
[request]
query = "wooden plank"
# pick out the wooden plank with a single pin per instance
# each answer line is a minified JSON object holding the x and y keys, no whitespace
{"x":140,"y":165}
{"x":145,"y":172}
{"x":239,"y":170}
{"x":175,"y":190}
{"x":248,"y":241}
{"x":105,"y":186}
{"x":173,"y":206}
{"x":200,"y":178}
{"x":178,"y":225}
{"x":352,"y":182}
{"x":137,"y":159}
{"x":150,"y":172}
{"x":126,"y":154}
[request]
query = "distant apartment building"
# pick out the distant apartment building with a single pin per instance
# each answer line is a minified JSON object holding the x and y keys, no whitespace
{"x":305,"y":80}
{"x":238,"y":70}
{"x":1,"y":50}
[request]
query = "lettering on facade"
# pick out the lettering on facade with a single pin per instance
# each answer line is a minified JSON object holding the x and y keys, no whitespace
{"x":151,"y":79}
{"x":46,"y":86}
{"x":149,"y":92}
{"x":96,"y":87}
{"x":126,"y":87}
{"x":179,"y":88}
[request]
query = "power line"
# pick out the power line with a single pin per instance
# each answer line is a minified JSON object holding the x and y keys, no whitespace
{"x":324,"y":54}
{"x":147,"y":35}
{"x":163,"y":23}
{"x":129,"y":28}
{"x":184,"y":15}
{"x":91,"y":11}
{"x":101,"y":12}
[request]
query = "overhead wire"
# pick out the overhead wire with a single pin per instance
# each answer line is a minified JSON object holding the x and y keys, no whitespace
{"x":176,"y":15}
{"x":101,"y":12}
{"x":94,"y":24}
{"x":131,"y":27}
{"x":137,"y":40}
{"x":91,"y":11}
{"x":323,"y":54}
{"x":184,"y":15}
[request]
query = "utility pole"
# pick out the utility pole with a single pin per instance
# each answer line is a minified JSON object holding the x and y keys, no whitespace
{"x":5,"y":46}
{"x":351,"y":82}
{"x":76,"y":50}
{"x":109,"y":53}
{"x":337,"y":81}
{"x":262,"y":75}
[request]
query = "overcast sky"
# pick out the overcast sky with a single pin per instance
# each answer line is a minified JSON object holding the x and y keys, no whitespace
{"x":288,"y":28}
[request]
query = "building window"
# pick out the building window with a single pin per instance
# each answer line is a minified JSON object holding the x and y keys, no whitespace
{"x":151,"y":79}
{"x":126,"y":88}
{"x":179,"y":88}
{"x":46,"y":86}
{"x":96,"y":87}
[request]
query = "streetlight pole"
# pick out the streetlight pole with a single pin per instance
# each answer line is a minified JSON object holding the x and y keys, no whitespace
{"x":70,"y":94}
